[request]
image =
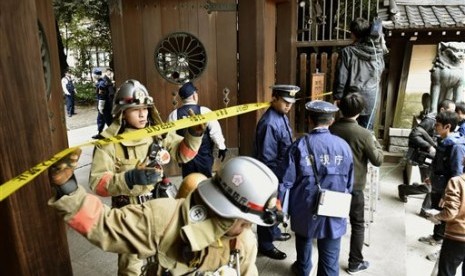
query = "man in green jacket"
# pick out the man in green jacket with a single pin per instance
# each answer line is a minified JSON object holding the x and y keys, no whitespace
{"x":365,"y":148}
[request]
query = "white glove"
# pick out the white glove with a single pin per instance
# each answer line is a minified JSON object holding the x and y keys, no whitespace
{"x":432,"y":151}
{"x":101,"y":105}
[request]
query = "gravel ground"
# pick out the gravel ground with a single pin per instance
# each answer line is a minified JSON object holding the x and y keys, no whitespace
{"x":85,"y":116}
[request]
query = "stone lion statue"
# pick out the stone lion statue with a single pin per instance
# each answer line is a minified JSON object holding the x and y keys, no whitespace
{"x":448,"y":74}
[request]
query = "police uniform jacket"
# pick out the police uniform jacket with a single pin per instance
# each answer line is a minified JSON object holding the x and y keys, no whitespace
{"x":102,"y":89}
{"x":334,"y":162}
{"x":447,"y":162}
{"x":272,"y":139}
{"x":111,"y":161}
{"x":182,"y":238}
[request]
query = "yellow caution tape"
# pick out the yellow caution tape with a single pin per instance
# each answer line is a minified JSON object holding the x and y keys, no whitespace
{"x":9,"y":187}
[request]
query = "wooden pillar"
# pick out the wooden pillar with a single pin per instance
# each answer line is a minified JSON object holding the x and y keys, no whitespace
{"x":257,"y":34}
{"x":397,"y":58}
{"x":33,"y":238}
{"x":286,"y":51}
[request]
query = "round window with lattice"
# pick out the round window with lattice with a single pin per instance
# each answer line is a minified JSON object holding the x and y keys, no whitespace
{"x":180,"y":57}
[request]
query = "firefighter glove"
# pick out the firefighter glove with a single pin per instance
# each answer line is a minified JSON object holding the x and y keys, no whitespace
{"x":61,"y":171}
{"x":142,"y":175}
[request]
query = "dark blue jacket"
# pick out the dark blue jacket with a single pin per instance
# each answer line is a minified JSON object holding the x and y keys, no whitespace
{"x":447,"y":162}
{"x":334,"y":162}
{"x":203,"y":161}
{"x":273,"y":136}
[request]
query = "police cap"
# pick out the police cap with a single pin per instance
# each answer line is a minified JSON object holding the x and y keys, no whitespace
{"x":321,"y":107}
{"x":97,"y":72}
{"x":187,"y":90}
{"x":287,"y":92}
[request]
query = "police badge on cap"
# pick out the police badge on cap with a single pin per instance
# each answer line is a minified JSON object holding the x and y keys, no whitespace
{"x":321,"y":107}
{"x":287,"y":92}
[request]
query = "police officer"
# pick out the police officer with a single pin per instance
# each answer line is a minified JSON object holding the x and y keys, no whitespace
{"x":272,"y":138}
{"x":104,"y":105}
{"x":333,"y":159}
{"x":209,"y":231}
{"x":67,"y":85}
{"x":114,"y":170}
{"x":213,"y":136}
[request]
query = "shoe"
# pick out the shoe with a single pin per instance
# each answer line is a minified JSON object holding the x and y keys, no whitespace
{"x":70,"y":115}
{"x":274,"y":253}
{"x":429,"y":240}
{"x":402,"y":195}
{"x":283,"y":237}
{"x":294,"y":269}
{"x":423,"y":213}
{"x":97,"y":137}
{"x":433,"y":256}
{"x":354,"y":269}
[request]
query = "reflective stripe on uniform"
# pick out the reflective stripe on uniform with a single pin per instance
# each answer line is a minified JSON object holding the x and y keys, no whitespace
{"x":88,"y":215}
{"x":186,"y":151}
{"x":101,"y":188}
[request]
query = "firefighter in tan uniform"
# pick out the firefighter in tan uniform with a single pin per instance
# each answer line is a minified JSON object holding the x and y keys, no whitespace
{"x":113,"y":170}
{"x":207,"y":233}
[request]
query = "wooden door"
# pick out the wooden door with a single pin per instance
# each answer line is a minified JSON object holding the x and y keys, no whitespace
{"x":144,"y":32}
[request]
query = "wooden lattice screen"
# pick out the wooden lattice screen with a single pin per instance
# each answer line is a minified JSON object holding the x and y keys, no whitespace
{"x":315,"y":78}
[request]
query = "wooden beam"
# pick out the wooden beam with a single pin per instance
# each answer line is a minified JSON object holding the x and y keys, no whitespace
{"x":33,"y":237}
{"x":257,"y":21}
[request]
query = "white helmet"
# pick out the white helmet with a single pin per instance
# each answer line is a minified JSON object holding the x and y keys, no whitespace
{"x":243,"y":188}
{"x":131,"y":94}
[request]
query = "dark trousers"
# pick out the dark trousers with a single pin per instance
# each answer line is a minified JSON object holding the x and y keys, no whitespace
{"x":328,"y":256}
{"x":451,"y":256}
{"x":105,"y":118}
{"x":201,"y":164}
{"x":69,"y":100}
{"x":266,"y":236}
{"x":414,"y":189}
{"x":418,"y":189}
{"x":357,"y":223}
{"x":438,"y":231}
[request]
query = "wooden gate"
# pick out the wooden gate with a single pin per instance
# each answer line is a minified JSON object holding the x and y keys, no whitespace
{"x":315,"y":78}
{"x":164,"y":42}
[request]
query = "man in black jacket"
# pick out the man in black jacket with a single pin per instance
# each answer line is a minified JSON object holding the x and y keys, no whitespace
{"x":359,"y":69}
{"x":422,"y":142}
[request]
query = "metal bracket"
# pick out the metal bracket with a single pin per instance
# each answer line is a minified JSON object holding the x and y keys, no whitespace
{"x":223,"y":7}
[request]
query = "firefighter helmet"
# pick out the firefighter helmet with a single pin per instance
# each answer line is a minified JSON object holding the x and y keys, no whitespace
{"x":243,"y":188}
{"x":131,"y":94}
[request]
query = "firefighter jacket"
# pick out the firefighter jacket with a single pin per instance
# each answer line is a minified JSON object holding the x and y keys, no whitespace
{"x":185,"y":236}
{"x":111,"y":161}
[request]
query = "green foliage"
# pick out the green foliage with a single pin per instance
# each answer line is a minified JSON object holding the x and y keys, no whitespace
{"x":84,"y":27}
{"x":86,"y":93}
